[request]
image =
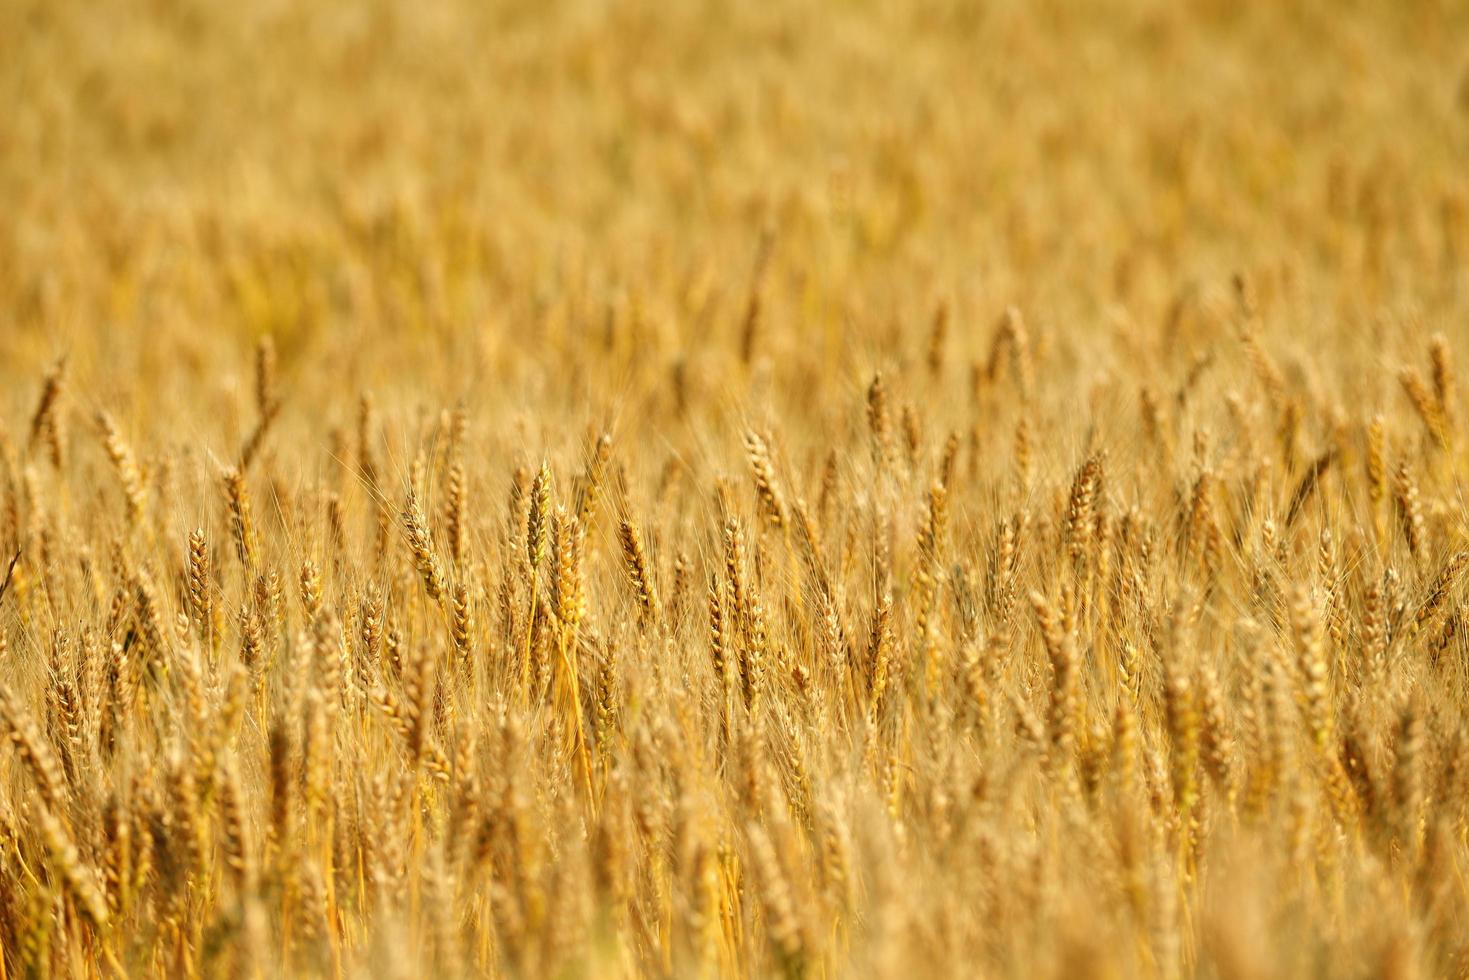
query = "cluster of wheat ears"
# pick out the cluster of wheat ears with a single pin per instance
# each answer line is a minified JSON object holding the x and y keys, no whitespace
{"x":806,"y":489}
{"x":795,"y":719}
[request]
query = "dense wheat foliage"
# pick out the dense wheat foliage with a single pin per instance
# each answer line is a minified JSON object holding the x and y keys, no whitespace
{"x":810,"y":488}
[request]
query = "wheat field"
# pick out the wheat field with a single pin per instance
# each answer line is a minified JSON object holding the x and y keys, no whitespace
{"x":806,"y":489}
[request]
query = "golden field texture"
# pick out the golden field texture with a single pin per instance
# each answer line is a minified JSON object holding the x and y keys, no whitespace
{"x":843,"y":489}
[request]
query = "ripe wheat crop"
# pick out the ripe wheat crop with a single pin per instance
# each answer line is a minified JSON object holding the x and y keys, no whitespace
{"x":807,"y":489}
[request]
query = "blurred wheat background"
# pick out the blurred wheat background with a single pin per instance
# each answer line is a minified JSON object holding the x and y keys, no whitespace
{"x":708,"y":489}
